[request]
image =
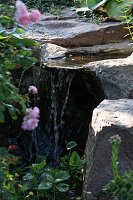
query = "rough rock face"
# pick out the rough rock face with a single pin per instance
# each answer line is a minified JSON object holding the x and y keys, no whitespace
{"x":111,"y":117}
{"x":116,"y":76}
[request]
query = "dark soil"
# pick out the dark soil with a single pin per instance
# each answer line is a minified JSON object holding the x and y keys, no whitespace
{"x":101,"y":196}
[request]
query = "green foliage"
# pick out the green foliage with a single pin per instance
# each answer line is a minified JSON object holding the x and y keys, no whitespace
{"x":121,"y":187}
{"x":14,"y":54}
{"x":128,"y":18}
{"x":6,"y":9}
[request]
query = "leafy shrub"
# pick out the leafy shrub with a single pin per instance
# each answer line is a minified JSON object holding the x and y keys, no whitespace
{"x":43,"y":5}
{"x":14,"y":54}
{"x":114,"y":8}
{"x":7,"y":10}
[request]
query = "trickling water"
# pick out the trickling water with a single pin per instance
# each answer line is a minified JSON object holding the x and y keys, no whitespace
{"x":55,"y":87}
{"x":54,"y":112}
{"x":70,"y":78}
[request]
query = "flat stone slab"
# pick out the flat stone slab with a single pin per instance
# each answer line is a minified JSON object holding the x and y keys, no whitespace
{"x":54,"y":52}
{"x":111,"y":117}
{"x":123,"y":48}
{"x":72,"y":32}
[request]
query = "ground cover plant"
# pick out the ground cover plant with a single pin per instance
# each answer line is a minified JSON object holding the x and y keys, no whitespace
{"x":121,"y":187}
{"x":39,"y":181}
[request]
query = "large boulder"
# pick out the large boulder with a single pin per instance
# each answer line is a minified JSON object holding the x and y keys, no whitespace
{"x":111,"y":117}
{"x":116,"y":76}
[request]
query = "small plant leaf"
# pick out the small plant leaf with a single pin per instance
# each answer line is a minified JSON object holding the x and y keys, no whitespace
{"x":50,"y":178}
{"x":93,"y":4}
{"x":62,"y":187}
{"x":28,"y":176}
{"x":74,"y":159}
{"x":44,"y":185}
{"x":71,"y":145}
{"x":117,"y":9}
{"x":61,"y":176}
{"x":38,"y":167}
{"x":26,"y":187}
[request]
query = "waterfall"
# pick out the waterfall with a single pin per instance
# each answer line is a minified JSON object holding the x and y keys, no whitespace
{"x":56,"y":86}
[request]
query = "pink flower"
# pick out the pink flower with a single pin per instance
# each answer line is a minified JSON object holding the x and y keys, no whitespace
{"x":20,"y":9}
{"x":30,"y":124}
{"x":30,"y":121}
{"x":33,"y":89}
{"x":34,"y":113}
{"x":22,"y":15}
{"x":35,"y":15}
{"x":24,"y":20}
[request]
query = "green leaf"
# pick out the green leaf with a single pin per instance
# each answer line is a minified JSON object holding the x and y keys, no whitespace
{"x":74,"y":159}
{"x":61,"y":176}
{"x":6,"y":22}
{"x":28,"y":176}
{"x":38,"y":167}
{"x":1,"y":37}
{"x":71,"y":145}
{"x":26,"y":187}
{"x":93,"y":4}
{"x":44,"y":185}
{"x":2,"y":117}
{"x":3,"y":153}
{"x":50,"y":178}
{"x":18,"y":31}
{"x":26,"y":42}
{"x":117,"y":9}
{"x":62,"y":187}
